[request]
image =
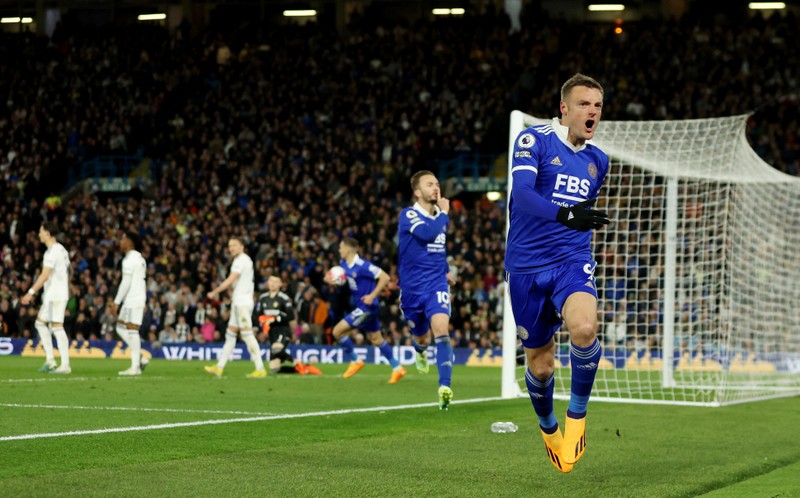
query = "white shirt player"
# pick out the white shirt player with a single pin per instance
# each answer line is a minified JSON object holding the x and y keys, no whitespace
{"x":133,"y":288}
{"x":56,"y":288}
{"x":243,"y":288}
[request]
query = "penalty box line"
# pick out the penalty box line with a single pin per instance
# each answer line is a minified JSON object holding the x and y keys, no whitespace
{"x":198,"y":423}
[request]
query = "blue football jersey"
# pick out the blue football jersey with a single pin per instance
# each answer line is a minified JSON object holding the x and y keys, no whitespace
{"x":361,"y":278}
{"x":422,"y":258}
{"x":547,"y":165}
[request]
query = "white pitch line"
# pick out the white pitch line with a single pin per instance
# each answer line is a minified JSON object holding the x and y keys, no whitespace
{"x":132,"y":409}
{"x":234,"y":420}
{"x":81,"y":379}
{"x":50,"y":379}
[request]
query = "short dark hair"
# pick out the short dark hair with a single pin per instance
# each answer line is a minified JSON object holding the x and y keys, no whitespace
{"x":50,"y":227}
{"x":579,"y":80}
{"x":135,"y":239}
{"x":351,"y":243}
{"x":416,"y":176}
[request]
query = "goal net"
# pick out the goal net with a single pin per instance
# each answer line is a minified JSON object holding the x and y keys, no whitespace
{"x":698,"y":274}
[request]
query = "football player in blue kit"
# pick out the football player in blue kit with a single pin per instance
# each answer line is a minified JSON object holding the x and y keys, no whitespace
{"x":366,"y":282}
{"x":425,"y":277}
{"x":556,"y":176}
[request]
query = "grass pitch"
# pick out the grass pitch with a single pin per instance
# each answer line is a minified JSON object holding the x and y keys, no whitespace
{"x":178,"y":431}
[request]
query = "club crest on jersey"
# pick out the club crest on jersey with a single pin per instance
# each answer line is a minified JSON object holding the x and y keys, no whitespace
{"x":592,"y":170}
{"x":275,"y":304}
{"x":522,"y":332}
{"x":526,"y":141}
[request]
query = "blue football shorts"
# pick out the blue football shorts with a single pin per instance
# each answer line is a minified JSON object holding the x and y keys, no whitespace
{"x":417,"y":309}
{"x":537,"y":298}
{"x":364,"y":319}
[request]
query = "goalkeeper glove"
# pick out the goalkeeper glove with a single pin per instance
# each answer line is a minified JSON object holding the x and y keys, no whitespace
{"x":581,"y":217}
{"x":265,"y":320}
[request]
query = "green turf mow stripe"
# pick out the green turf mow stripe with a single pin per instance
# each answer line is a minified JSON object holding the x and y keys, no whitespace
{"x":236,"y":420}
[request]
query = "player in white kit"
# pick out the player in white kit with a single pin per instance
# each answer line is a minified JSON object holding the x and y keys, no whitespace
{"x":242,"y":304}
{"x":132,"y":295}
{"x":55,"y":280}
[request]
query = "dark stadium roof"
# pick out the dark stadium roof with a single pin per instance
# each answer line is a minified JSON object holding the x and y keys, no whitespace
{"x":30,"y":5}
{"x":99,"y":12}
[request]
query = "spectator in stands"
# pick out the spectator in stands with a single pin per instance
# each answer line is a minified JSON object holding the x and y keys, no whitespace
{"x":270,"y":183}
{"x":4,"y":330}
{"x":182,"y":330}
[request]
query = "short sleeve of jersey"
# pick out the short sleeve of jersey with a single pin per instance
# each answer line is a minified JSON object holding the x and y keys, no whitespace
{"x":528,"y":149}
{"x":50,"y":259}
{"x":238,"y":266}
{"x":371,"y":270}
{"x":127,"y":266}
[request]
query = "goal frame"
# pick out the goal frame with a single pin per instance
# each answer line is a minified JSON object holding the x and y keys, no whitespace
{"x":510,"y":385}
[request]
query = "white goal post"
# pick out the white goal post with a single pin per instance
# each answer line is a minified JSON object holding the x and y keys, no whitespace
{"x":700,"y":226}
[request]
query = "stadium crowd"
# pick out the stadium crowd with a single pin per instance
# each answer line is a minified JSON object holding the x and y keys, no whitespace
{"x":295,"y":137}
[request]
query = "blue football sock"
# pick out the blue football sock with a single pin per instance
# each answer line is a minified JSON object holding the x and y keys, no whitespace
{"x":541,"y":393}
{"x":584,"y":369}
{"x":347,"y":346}
{"x":444,"y":360}
{"x":417,"y":347}
{"x":386,"y":351}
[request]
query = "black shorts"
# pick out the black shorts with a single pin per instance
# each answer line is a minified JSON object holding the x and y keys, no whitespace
{"x":281,"y":335}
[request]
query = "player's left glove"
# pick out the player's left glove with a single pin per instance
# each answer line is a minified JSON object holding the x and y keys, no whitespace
{"x":581,"y":217}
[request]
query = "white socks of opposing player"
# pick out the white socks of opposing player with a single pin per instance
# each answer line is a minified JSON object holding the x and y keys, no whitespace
{"x":230,"y":343}
{"x":46,"y":338}
{"x":47,"y":342}
{"x":63,"y":345}
{"x":122,"y":332}
{"x":134,"y":342}
{"x":252,"y":347}
{"x":227,"y":349}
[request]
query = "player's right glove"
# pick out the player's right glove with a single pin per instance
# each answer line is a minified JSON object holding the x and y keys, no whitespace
{"x":581,"y":217}
{"x":265,"y":320}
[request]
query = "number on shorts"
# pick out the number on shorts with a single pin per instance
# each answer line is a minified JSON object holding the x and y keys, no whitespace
{"x":588,"y":268}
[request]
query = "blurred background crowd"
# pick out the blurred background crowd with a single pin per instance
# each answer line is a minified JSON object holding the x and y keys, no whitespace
{"x":295,"y":136}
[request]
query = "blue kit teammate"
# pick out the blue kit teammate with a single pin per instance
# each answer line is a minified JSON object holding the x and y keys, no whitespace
{"x":366,"y":282}
{"x":425,"y":278}
{"x":556,"y":177}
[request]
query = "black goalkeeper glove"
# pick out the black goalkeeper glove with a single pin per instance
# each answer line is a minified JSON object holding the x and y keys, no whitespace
{"x":581,"y":217}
